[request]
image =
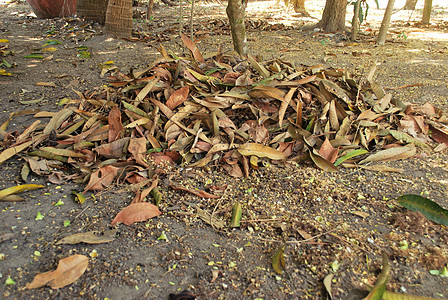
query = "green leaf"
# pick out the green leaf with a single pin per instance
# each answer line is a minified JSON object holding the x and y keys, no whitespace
{"x":404,"y":137}
{"x":162,"y":237}
{"x":380,"y":285}
{"x":79,"y":197}
{"x":400,"y":296}
{"x":236,"y":215}
{"x":83,"y":54}
{"x":9,"y":281}
{"x":66,"y":223}
{"x":427,"y":207}
{"x":39,"y":216}
{"x":349,"y":155}
{"x":52,"y":42}
{"x":34,"y":56}
{"x":59,"y":203}
{"x":157,"y":195}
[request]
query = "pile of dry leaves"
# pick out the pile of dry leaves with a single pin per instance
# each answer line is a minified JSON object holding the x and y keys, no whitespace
{"x":221,"y":111}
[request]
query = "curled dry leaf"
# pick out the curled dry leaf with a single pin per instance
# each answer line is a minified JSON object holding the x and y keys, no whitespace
{"x":328,"y":152}
{"x":102,"y":178}
{"x":396,"y":153}
{"x":115,"y":125}
{"x":322,"y":162}
{"x":178,"y":97}
{"x":192,"y":47}
{"x":68,"y":271}
{"x":137,"y":212}
{"x":90,"y":237}
{"x":259,"y":150}
{"x":137,"y":147}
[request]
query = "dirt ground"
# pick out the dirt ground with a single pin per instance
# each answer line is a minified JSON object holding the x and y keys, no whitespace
{"x":351,"y":213}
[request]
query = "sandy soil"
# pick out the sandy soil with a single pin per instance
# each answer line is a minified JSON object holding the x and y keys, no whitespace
{"x":229,"y":264}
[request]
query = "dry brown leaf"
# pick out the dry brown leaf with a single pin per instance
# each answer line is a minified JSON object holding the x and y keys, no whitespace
{"x":161,"y":158}
{"x":284,"y":105}
{"x":192,"y":47}
{"x":178,"y":97}
{"x":141,"y":195}
{"x":115,"y":125}
{"x":137,"y":212}
{"x":115,"y":149}
{"x":137,"y":147}
{"x":68,"y":271}
{"x":322,"y":162}
{"x":102,"y":178}
{"x":264,"y":91}
{"x":233,"y":170}
{"x":396,"y":153}
{"x":328,"y":152}
{"x":90,"y":237}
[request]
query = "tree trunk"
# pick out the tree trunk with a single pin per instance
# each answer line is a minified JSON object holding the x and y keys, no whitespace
{"x":299,"y":7}
{"x":385,"y":24}
{"x":410,"y":4}
{"x":149,"y":9}
{"x":427,"y":11}
{"x":236,"y":12}
{"x":119,"y":18}
{"x":355,"y":20}
{"x":333,"y":17}
{"x":92,"y":10}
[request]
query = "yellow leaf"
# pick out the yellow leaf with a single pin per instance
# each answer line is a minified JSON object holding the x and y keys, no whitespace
{"x":19,"y":189}
{"x":259,"y":150}
{"x":49,"y":49}
{"x":10,"y":152}
{"x":4,"y":41}
{"x":4,"y":73}
{"x":278,"y":260}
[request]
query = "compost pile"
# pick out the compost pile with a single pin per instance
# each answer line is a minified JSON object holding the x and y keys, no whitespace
{"x":224,"y":112}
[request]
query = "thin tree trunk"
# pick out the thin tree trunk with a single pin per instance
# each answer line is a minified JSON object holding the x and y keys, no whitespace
{"x":236,"y":12}
{"x":119,"y":18}
{"x":333,"y":17}
{"x":299,"y":7}
{"x":149,"y":9}
{"x":410,"y":4}
{"x":385,"y":24}
{"x":427,"y":11}
{"x":355,"y":21}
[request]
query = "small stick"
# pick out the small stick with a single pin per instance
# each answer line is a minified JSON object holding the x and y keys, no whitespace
{"x":402,"y":87}
{"x":261,"y":220}
{"x":181,"y":17}
{"x":191,"y":20}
